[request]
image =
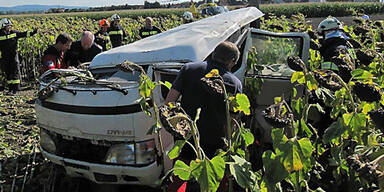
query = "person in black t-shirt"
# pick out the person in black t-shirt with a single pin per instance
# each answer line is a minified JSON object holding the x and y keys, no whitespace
{"x":211,"y":124}
{"x":148,"y":29}
{"x":212,"y":121}
{"x":82,"y":51}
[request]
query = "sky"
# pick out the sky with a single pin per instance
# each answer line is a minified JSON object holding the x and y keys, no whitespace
{"x":87,"y":3}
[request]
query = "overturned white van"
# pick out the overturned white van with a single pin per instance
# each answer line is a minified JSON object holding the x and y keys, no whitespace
{"x":96,"y":129}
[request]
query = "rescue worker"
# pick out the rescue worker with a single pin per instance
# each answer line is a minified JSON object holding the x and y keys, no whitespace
{"x":188,"y":17}
{"x":9,"y":59}
{"x":54,"y":55}
{"x":102,"y":36}
{"x":334,"y":41}
{"x":209,"y":8}
{"x":148,"y":29}
{"x":116,"y":32}
{"x":211,"y":124}
{"x":83,"y":51}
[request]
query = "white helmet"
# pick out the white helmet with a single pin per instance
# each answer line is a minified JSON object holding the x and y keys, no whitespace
{"x":5,"y":22}
{"x":188,"y":16}
{"x":330,"y":23}
{"x":115,"y":17}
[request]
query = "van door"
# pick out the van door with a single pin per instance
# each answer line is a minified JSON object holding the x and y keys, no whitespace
{"x":268,"y":75}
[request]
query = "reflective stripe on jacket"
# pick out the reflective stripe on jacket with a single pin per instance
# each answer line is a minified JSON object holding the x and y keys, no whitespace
{"x":329,"y":65}
{"x":17,"y":81}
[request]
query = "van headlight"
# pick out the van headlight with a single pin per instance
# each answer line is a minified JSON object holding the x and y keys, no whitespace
{"x":139,"y":153}
{"x":145,"y":152}
{"x":46,"y":142}
{"x":121,"y":154}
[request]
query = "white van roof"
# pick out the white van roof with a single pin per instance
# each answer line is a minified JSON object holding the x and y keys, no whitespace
{"x":188,"y":42}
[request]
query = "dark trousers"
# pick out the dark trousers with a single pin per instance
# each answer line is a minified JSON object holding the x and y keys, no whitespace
{"x":11,"y":68}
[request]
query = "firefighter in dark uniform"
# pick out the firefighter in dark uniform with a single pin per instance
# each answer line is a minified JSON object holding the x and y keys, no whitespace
{"x":102,"y":36}
{"x":9,"y":59}
{"x":334,"y":40}
{"x":54,"y":55}
{"x":82,"y":51}
{"x":148,"y":29}
{"x":116,"y":32}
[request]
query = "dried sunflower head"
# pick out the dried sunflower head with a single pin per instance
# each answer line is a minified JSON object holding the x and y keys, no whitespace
{"x":212,"y":83}
{"x":295,"y":63}
{"x":364,"y":57}
{"x":324,"y":78}
{"x":174,"y":120}
{"x":277,"y":116}
{"x":377,"y":117}
{"x":366,"y":92}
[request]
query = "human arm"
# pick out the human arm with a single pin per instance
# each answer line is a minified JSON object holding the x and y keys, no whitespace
{"x":25,"y":34}
{"x":172,"y":96}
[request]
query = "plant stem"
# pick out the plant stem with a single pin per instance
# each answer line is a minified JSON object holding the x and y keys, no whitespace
{"x":194,"y":134}
{"x":229,"y":130}
{"x":157,"y":117}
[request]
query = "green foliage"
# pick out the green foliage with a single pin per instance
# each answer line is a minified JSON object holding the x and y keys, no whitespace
{"x":336,"y":9}
{"x":208,"y":172}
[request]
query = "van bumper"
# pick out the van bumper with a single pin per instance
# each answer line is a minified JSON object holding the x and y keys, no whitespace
{"x":108,"y":174}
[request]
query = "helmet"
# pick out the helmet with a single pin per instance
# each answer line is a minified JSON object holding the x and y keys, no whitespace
{"x":5,"y":22}
{"x":104,"y":23}
{"x":330,"y":23}
{"x":115,"y":17}
{"x":188,"y":16}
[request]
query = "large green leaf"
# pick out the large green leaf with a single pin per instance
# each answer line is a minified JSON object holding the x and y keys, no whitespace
{"x":182,"y":170}
{"x":242,"y":104}
{"x":362,"y":74}
{"x":243,"y":174}
{"x":247,"y":136}
{"x":311,"y":83}
{"x":291,"y":157}
{"x":334,"y":131}
{"x":146,"y":86}
{"x":274,"y":169}
{"x":355,"y":121}
{"x":358,"y":121}
{"x":305,"y":152}
{"x":278,"y":137}
{"x":298,"y":76}
{"x":208,"y":172}
{"x":305,"y":128}
{"x":175,"y":151}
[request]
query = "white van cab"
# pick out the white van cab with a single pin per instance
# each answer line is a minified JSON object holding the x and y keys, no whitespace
{"x":97,"y":130}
